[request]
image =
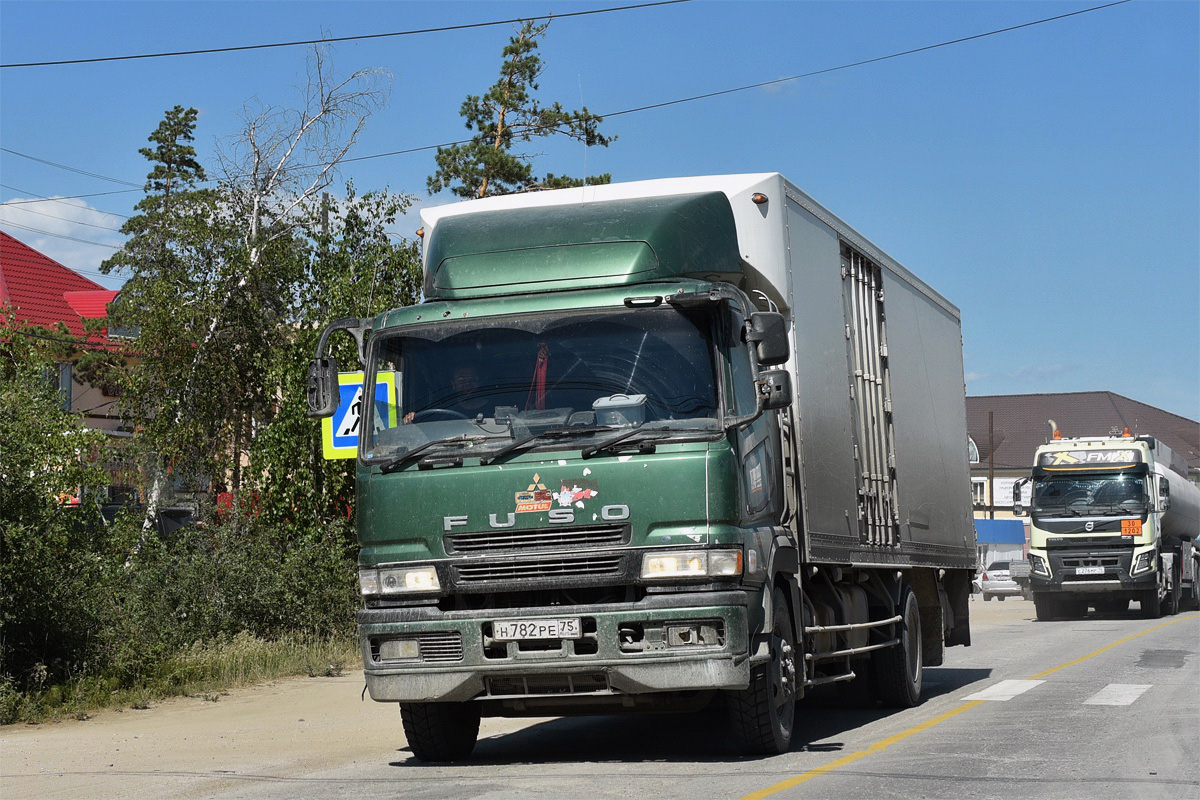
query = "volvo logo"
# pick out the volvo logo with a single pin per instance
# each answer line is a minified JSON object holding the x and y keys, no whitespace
{"x":1087,"y":526}
{"x":557,"y":516}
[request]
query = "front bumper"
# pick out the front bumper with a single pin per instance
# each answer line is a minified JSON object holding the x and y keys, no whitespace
{"x":458,"y":660}
{"x":1074,"y":570}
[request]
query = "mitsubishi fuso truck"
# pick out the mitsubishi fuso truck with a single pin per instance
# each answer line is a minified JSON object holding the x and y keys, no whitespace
{"x":1112,"y":519}
{"x":654,"y":446}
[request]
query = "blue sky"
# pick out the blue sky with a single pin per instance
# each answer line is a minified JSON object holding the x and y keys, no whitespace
{"x":1046,"y":180}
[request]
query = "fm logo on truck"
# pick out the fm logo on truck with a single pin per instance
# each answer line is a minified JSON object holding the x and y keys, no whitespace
{"x":1089,"y":457}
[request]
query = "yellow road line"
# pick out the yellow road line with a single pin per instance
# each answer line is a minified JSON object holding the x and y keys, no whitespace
{"x":852,"y":757}
{"x":884,"y":744}
{"x":1107,"y":647}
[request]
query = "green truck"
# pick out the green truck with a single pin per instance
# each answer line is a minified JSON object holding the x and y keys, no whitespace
{"x":653,"y":446}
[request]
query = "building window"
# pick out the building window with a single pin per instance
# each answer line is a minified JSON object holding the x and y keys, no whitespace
{"x":979,"y":491}
{"x":972,"y":451}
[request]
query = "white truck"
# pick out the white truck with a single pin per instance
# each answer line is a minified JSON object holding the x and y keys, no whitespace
{"x":1113,"y":519}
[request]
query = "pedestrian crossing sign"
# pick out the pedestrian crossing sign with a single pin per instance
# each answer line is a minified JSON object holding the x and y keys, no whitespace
{"x":340,"y":432}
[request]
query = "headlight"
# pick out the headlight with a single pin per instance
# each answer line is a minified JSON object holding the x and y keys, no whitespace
{"x":1038,"y":565}
{"x":398,"y":580}
{"x":691,"y":564}
{"x":1143,"y":563}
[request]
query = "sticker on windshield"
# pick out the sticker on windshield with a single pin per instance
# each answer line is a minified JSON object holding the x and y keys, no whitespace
{"x":536,"y":498}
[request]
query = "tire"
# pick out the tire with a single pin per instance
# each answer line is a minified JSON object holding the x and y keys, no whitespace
{"x":987,"y":596}
{"x":1174,"y":601}
{"x":1046,"y":606}
{"x":1151,"y":604}
{"x":1000,"y":597}
{"x":441,"y":731}
{"x":762,"y":716}
{"x":897,"y":670}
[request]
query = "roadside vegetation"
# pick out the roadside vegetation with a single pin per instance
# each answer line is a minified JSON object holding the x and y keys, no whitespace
{"x":231,"y":271}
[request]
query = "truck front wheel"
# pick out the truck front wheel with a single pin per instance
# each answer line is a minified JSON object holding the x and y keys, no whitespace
{"x":1047,"y":606}
{"x":440,"y":731}
{"x":762,"y":715}
{"x":897,"y":669}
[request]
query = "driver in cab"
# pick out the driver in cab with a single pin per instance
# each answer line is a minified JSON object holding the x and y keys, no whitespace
{"x":464,"y":398}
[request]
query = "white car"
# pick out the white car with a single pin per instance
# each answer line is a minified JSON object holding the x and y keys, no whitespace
{"x":996,"y":581}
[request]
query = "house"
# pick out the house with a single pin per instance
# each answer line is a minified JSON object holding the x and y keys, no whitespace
{"x":1019,"y":423}
{"x":47,"y":294}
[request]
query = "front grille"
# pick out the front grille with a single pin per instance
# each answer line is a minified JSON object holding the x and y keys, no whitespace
{"x":526,"y":685}
{"x":441,"y":646}
{"x":1091,"y":561}
{"x":436,"y":647}
{"x":533,"y":569}
{"x":508,"y":540}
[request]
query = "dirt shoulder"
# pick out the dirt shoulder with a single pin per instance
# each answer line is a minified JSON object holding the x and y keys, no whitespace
{"x":289,"y":726}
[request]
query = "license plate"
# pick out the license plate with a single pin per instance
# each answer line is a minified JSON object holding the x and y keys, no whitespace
{"x":516,"y":630}
{"x":1089,"y":570}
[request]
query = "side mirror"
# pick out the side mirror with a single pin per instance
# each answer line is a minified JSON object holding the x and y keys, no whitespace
{"x":1018,"y":509}
{"x":324,"y":396}
{"x":768,"y":330}
{"x":775,"y":389}
{"x":1164,"y":493}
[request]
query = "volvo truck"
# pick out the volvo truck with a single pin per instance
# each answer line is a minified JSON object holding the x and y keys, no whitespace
{"x":655,"y":446}
{"x":1112,"y":520}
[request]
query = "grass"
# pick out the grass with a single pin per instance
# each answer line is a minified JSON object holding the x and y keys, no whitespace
{"x":205,"y":670}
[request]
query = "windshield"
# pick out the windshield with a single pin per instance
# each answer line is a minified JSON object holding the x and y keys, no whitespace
{"x":1079,"y":495}
{"x":583,"y":377}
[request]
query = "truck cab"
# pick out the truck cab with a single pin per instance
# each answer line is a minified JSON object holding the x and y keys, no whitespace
{"x":1101,"y":529}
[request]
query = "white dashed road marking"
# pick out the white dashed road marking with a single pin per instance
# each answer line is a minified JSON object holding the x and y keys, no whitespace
{"x":1117,"y":694}
{"x":1004,"y":690}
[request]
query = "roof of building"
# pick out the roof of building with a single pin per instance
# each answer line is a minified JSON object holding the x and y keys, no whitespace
{"x":1021,"y":423}
{"x":45,"y":292}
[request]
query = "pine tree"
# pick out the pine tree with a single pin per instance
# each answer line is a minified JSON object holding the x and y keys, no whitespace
{"x":509,"y":113}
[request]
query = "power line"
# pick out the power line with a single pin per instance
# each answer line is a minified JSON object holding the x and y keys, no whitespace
{"x":72,"y":197}
{"x":58,"y":235}
{"x":866,"y":61}
{"x":55,"y":200}
{"x":782,"y":80}
{"x":65,"y":219}
{"x":442,"y":29}
{"x":71,"y":169}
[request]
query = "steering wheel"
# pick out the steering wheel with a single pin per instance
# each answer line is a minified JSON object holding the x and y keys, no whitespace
{"x":1078,"y":496}
{"x":438,"y":414}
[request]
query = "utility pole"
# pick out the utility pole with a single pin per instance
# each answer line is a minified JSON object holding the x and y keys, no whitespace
{"x":991,"y":466}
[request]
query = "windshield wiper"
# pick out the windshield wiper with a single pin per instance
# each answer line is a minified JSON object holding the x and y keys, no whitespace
{"x":553,"y":433}
{"x":625,"y":436}
{"x":399,"y":461}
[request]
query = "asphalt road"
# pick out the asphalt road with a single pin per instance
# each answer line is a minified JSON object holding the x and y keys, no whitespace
{"x":1102,"y":708}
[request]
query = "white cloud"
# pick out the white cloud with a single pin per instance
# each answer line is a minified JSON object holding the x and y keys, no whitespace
{"x":45,"y":225}
{"x":975,"y":376}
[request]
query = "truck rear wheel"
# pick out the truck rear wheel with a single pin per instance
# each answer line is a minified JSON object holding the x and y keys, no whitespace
{"x":762,"y":716}
{"x":897,"y":670}
{"x":441,"y":731}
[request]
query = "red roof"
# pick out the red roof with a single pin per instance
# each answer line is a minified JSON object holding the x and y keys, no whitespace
{"x":44,"y":292}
